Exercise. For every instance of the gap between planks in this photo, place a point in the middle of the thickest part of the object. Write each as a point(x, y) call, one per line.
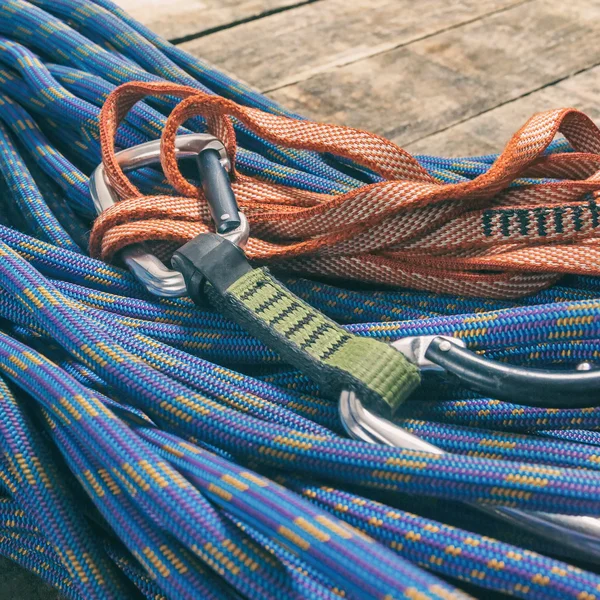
point(183, 20)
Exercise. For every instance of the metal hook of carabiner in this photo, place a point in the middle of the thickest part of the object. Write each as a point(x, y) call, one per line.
point(213, 166)
point(580, 535)
point(526, 386)
point(520, 385)
point(530, 387)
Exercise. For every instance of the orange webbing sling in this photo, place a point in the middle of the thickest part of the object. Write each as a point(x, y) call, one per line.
point(482, 237)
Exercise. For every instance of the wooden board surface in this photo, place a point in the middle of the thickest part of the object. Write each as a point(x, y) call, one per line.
point(489, 132)
point(432, 84)
point(177, 19)
point(408, 70)
point(313, 39)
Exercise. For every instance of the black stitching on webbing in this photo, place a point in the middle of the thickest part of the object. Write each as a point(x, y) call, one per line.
point(299, 325)
point(505, 218)
point(283, 314)
point(334, 349)
point(594, 211)
point(250, 291)
point(541, 214)
point(558, 219)
point(577, 213)
point(523, 217)
point(315, 335)
point(487, 223)
point(278, 295)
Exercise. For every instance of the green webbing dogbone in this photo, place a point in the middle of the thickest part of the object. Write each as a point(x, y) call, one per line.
point(316, 345)
point(337, 360)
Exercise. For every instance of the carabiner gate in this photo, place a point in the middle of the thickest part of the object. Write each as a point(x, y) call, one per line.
point(502, 381)
point(213, 165)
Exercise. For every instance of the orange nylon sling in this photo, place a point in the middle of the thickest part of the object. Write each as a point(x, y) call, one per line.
point(409, 230)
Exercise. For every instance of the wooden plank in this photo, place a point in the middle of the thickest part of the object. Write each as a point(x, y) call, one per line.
point(316, 38)
point(447, 78)
point(489, 132)
point(175, 19)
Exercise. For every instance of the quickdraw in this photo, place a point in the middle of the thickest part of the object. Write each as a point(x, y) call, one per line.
point(137, 463)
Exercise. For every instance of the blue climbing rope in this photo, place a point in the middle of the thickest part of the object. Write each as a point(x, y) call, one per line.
point(151, 448)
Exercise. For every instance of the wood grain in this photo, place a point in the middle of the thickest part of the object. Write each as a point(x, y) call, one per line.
point(489, 132)
point(317, 38)
point(181, 18)
point(432, 84)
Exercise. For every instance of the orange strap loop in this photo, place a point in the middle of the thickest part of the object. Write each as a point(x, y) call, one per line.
point(480, 237)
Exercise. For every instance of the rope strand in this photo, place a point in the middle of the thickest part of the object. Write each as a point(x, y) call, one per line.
point(142, 439)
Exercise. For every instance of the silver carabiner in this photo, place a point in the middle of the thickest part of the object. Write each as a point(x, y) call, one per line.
point(502, 381)
point(213, 164)
point(580, 534)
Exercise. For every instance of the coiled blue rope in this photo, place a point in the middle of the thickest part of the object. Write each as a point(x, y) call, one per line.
point(142, 438)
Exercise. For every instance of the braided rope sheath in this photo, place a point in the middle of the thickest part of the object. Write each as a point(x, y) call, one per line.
point(132, 466)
